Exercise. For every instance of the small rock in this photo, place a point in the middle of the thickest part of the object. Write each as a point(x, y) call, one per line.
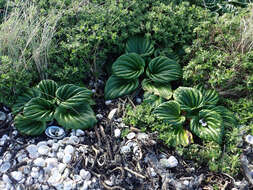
point(125, 149)
point(29, 181)
point(39, 162)
point(93, 91)
point(99, 116)
point(117, 133)
point(51, 163)
point(43, 149)
point(5, 167)
point(18, 176)
point(69, 149)
point(55, 178)
point(50, 142)
point(108, 102)
point(61, 167)
point(79, 132)
point(130, 135)
point(74, 140)
point(2, 116)
point(85, 174)
point(77, 178)
point(138, 100)
point(249, 139)
point(6, 179)
point(32, 149)
point(67, 158)
point(55, 146)
point(60, 155)
point(35, 175)
point(112, 113)
point(152, 172)
point(41, 143)
point(169, 163)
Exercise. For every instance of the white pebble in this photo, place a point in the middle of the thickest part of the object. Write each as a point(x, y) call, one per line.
point(6, 179)
point(85, 174)
point(5, 166)
point(169, 163)
point(117, 133)
point(41, 143)
point(112, 113)
point(67, 159)
point(35, 175)
point(32, 149)
point(17, 175)
point(130, 135)
point(249, 139)
point(43, 149)
point(29, 181)
point(108, 102)
point(125, 149)
point(73, 140)
point(99, 116)
point(60, 155)
point(39, 162)
point(50, 142)
point(138, 100)
point(79, 132)
point(61, 167)
point(55, 146)
point(51, 163)
point(69, 149)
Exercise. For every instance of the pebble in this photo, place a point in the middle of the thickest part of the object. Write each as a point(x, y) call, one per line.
point(108, 102)
point(99, 116)
point(43, 149)
point(6, 179)
point(69, 149)
point(85, 174)
point(41, 143)
point(169, 163)
point(2, 116)
point(39, 162)
point(32, 149)
point(138, 100)
point(125, 149)
point(73, 140)
point(79, 132)
point(66, 159)
point(112, 113)
point(50, 142)
point(117, 133)
point(17, 175)
point(60, 155)
point(51, 163)
point(5, 167)
point(249, 139)
point(55, 146)
point(61, 167)
point(130, 135)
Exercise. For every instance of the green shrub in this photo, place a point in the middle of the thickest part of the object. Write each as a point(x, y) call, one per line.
point(221, 57)
point(93, 34)
point(69, 105)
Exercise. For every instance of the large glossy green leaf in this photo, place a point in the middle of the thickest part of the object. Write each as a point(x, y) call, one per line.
point(163, 70)
point(175, 136)
point(189, 99)
point(28, 126)
point(170, 112)
point(208, 125)
point(128, 66)
point(160, 89)
point(22, 100)
point(116, 87)
point(139, 45)
point(211, 97)
point(152, 99)
point(79, 117)
point(228, 117)
point(39, 109)
point(47, 89)
point(70, 95)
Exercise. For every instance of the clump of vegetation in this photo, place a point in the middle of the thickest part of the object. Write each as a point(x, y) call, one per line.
point(69, 105)
point(130, 69)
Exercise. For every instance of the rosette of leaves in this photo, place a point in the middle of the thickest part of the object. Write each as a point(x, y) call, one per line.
point(194, 112)
point(69, 105)
point(131, 71)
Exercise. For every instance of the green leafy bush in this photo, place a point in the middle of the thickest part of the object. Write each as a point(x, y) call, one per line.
point(69, 105)
point(221, 57)
point(129, 69)
point(194, 111)
point(93, 34)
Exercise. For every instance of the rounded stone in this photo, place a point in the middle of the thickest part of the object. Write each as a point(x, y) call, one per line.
point(2, 116)
point(249, 139)
point(32, 149)
point(117, 133)
point(43, 149)
point(55, 146)
point(6, 179)
point(125, 149)
point(138, 100)
point(39, 162)
point(171, 162)
point(130, 135)
point(17, 175)
point(85, 174)
point(74, 140)
point(108, 102)
point(5, 167)
point(67, 158)
point(60, 155)
point(69, 149)
point(79, 132)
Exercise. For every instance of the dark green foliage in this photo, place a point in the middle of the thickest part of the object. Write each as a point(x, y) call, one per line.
point(69, 105)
